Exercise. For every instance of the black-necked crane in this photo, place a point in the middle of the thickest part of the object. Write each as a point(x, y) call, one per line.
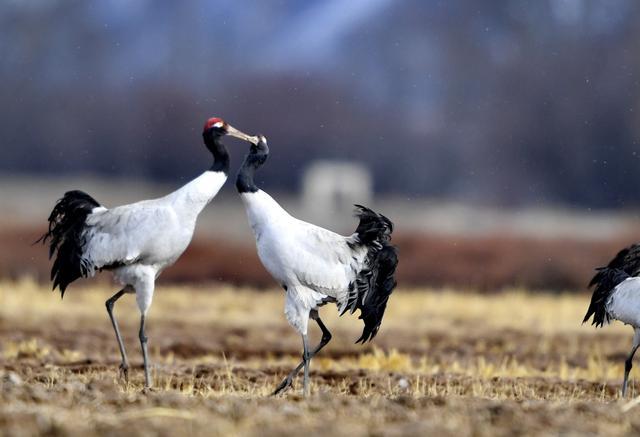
point(136, 242)
point(617, 297)
point(316, 266)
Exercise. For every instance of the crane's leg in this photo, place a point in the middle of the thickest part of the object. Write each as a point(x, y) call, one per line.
point(628, 364)
point(145, 357)
point(326, 338)
point(306, 359)
point(124, 365)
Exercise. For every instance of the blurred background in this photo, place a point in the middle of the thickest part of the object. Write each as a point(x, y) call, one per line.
point(501, 137)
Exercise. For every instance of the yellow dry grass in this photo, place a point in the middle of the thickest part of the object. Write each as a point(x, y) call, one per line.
point(218, 351)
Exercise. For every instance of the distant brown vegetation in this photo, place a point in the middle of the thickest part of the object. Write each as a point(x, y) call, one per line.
point(494, 262)
point(485, 263)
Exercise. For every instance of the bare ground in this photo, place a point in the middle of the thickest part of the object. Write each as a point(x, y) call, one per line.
point(445, 363)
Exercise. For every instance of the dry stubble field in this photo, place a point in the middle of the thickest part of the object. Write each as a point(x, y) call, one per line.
point(444, 362)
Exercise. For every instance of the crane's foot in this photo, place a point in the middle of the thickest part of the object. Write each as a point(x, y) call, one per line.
point(124, 371)
point(284, 385)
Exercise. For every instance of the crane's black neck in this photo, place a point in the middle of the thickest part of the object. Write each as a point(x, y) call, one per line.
point(219, 152)
point(257, 156)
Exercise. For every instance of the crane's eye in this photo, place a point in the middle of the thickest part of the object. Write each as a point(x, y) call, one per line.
point(218, 125)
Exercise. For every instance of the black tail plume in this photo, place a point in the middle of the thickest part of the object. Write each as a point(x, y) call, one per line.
point(607, 280)
point(628, 260)
point(373, 227)
point(66, 223)
point(376, 282)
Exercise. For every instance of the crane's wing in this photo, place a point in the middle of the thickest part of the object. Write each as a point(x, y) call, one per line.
point(325, 261)
point(627, 260)
point(357, 271)
point(126, 234)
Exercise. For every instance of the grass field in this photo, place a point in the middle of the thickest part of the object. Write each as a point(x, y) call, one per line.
point(444, 362)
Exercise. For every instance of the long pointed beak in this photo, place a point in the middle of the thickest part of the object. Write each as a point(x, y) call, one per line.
point(236, 133)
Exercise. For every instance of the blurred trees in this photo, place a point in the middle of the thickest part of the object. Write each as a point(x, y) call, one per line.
point(504, 102)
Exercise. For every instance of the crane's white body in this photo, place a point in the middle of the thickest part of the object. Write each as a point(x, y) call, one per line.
point(143, 238)
point(314, 265)
point(624, 302)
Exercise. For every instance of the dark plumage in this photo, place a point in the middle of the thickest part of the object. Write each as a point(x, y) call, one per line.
point(607, 280)
point(627, 260)
point(65, 236)
point(376, 282)
point(616, 297)
point(258, 154)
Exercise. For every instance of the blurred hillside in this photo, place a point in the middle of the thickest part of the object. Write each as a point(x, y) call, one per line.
point(506, 102)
